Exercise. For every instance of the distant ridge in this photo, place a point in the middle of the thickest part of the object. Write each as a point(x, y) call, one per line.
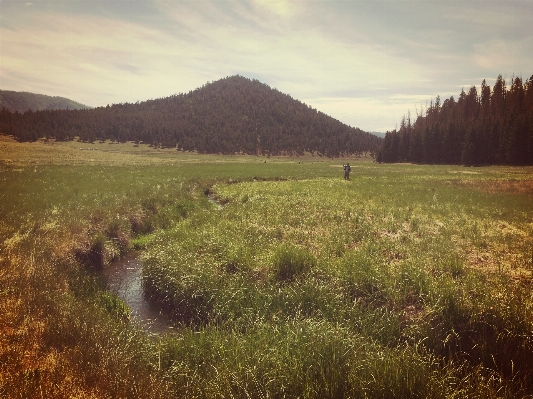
point(229, 116)
point(21, 101)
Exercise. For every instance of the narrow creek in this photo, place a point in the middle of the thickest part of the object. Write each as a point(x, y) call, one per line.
point(213, 199)
point(123, 278)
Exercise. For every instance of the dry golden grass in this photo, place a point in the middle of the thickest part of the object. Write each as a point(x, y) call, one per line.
point(45, 349)
point(523, 186)
point(15, 154)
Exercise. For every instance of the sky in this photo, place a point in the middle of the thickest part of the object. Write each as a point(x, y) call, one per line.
point(367, 63)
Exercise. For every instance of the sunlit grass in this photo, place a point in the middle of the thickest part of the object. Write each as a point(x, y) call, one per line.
point(407, 281)
point(393, 261)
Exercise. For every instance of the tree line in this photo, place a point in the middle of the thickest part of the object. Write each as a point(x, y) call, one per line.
point(492, 126)
point(23, 101)
point(231, 115)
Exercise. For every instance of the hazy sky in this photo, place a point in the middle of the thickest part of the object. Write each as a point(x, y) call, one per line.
point(366, 63)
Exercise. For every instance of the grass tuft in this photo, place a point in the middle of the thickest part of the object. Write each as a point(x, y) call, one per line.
point(290, 262)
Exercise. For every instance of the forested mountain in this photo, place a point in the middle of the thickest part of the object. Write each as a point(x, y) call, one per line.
point(19, 101)
point(490, 127)
point(231, 115)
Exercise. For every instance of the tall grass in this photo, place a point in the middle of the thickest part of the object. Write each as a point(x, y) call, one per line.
point(392, 262)
point(408, 281)
point(61, 334)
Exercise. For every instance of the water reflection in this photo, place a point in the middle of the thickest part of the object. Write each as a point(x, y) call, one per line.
point(124, 279)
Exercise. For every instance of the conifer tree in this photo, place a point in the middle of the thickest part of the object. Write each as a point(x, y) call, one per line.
point(492, 127)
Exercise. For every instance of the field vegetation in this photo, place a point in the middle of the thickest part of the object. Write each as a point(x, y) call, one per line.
point(407, 281)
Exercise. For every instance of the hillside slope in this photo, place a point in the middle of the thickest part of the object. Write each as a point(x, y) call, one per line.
point(16, 101)
point(231, 115)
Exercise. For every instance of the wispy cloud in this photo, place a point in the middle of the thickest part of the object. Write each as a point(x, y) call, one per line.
point(364, 62)
point(283, 8)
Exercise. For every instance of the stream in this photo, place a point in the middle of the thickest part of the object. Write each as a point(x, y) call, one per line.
point(213, 199)
point(123, 278)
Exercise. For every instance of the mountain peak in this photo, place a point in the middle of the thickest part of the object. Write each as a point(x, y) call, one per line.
point(231, 115)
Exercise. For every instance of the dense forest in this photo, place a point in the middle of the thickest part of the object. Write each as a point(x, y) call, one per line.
point(20, 101)
point(231, 115)
point(480, 128)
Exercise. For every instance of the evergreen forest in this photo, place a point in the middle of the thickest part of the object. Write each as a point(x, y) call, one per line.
point(21, 101)
point(231, 115)
point(492, 126)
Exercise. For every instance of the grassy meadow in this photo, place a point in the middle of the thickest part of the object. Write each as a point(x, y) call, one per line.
point(407, 281)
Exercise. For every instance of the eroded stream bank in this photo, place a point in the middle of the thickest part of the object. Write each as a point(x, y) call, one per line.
point(123, 277)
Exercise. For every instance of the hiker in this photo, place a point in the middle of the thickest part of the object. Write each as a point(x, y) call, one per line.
point(347, 170)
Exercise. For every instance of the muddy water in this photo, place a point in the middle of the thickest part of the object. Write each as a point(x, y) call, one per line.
point(124, 279)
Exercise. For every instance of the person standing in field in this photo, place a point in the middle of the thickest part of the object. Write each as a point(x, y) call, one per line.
point(347, 170)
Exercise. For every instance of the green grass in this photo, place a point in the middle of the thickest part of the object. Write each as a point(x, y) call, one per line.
point(407, 281)
point(391, 259)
